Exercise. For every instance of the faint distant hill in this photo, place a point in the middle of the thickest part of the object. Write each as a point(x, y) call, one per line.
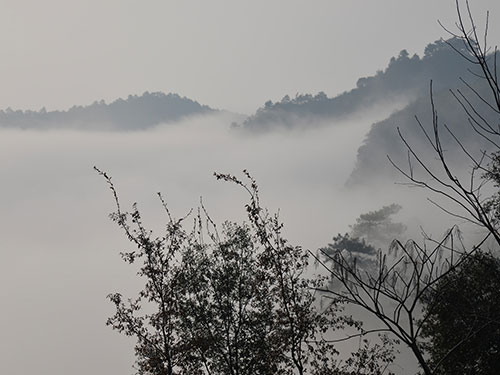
point(133, 113)
point(405, 77)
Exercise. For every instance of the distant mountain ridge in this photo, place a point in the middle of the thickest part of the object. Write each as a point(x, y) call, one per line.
point(133, 113)
point(404, 76)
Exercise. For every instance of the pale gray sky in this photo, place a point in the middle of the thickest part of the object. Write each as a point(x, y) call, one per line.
point(224, 53)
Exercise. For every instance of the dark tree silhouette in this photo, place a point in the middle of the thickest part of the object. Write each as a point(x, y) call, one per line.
point(302, 329)
point(231, 301)
point(463, 325)
point(397, 293)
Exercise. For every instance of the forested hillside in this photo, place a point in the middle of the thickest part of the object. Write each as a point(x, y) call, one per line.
point(405, 78)
point(133, 113)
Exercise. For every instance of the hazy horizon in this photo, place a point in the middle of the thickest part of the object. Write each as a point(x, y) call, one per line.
point(223, 54)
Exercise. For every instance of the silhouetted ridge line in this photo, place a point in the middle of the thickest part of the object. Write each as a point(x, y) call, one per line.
point(405, 77)
point(134, 113)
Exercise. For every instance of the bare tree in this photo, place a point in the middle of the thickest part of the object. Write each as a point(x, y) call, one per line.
point(394, 293)
point(472, 198)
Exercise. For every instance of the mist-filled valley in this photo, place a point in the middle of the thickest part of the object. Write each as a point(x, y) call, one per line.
point(55, 213)
point(327, 163)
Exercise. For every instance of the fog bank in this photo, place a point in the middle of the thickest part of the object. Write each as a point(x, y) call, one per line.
point(60, 252)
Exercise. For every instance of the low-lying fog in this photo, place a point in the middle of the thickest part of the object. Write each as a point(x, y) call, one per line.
point(59, 251)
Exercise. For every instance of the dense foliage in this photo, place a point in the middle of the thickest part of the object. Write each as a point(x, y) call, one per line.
point(463, 326)
point(234, 300)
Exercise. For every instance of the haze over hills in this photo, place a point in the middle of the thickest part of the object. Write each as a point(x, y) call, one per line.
point(404, 81)
point(383, 141)
point(405, 78)
point(133, 113)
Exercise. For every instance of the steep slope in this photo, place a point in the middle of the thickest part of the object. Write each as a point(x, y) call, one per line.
point(383, 141)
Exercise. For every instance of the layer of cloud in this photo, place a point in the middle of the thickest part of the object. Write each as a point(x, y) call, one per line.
point(60, 252)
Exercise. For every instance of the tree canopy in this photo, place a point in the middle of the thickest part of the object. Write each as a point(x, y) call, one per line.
point(463, 325)
point(233, 299)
